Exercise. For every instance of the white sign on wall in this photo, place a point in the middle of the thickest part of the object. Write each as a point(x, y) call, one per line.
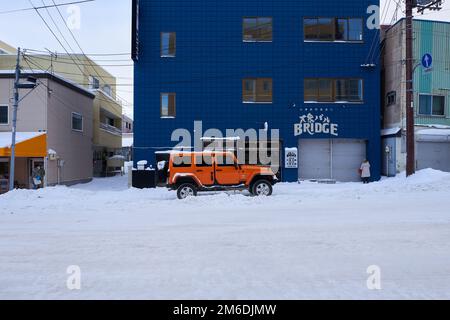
point(311, 125)
point(291, 158)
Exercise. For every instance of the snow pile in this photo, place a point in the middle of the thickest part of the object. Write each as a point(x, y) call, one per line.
point(307, 241)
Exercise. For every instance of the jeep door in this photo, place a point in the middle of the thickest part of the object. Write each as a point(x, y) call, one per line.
point(204, 168)
point(227, 170)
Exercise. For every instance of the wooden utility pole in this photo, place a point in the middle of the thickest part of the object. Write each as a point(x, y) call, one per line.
point(410, 136)
point(14, 123)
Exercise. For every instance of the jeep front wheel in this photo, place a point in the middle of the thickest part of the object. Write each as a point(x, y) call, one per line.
point(186, 190)
point(262, 188)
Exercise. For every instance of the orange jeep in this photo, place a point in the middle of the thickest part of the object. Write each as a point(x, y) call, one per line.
point(190, 172)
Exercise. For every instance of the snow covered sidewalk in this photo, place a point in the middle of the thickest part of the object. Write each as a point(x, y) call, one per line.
point(307, 241)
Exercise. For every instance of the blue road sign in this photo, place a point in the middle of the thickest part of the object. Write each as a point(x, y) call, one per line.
point(427, 61)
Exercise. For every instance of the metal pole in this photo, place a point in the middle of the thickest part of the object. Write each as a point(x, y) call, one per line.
point(14, 123)
point(410, 137)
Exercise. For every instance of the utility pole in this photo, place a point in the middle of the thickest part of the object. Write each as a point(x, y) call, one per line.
point(14, 123)
point(31, 84)
point(421, 6)
point(410, 136)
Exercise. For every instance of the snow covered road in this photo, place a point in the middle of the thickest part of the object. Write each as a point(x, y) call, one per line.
point(307, 241)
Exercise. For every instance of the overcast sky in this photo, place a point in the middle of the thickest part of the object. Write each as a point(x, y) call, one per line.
point(106, 28)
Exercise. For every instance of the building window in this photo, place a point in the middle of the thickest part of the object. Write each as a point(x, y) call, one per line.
point(391, 98)
point(257, 90)
point(257, 29)
point(77, 122)
point(168, 105)
point(94, 83)
point(333, 29)
point(355, 29)
point(430, 105)
point(4, 115)
point(107, 89)
point(333, 90)
point(109, 121)
point(168, 44)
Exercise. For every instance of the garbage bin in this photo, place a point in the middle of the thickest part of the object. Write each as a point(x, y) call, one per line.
point(144, 179)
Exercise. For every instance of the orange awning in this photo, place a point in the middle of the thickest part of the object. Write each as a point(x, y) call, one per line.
point(28, 144)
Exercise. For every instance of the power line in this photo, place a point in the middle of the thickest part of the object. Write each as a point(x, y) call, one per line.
point(89, 54)
point(59, 41)
point(85, 64)
point(53, 33)
point(45, 6)
point(41, 68)
point(82, 51)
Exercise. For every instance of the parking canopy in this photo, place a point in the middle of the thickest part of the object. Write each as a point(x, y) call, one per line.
point(28, 144)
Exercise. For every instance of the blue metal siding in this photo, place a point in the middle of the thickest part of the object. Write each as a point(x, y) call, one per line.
point(211, 61)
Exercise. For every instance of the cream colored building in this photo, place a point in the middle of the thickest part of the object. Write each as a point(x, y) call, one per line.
point(107, 109)
point(6, 48)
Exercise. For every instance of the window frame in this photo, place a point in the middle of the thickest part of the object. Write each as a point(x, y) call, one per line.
point(168, 56)
point(257, 40)
point(107, 88)
point(82, 122)
point(168, 106)
point(333, 91)
point(7, 115)
point(255, 95)
point(94, 83)
point(335, 21)
point(432, 100)
point(390, 94)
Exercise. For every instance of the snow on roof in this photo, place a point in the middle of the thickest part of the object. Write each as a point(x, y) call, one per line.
point(6, 137)
point(434, 132)
point(220, 139)
point(117, 157)
point(37, 72)
point(390, 131)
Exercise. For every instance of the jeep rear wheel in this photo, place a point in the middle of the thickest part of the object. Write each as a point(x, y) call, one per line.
point(186, 190)
point(262, 188)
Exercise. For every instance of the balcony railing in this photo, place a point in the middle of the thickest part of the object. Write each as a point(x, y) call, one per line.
point(111, 129)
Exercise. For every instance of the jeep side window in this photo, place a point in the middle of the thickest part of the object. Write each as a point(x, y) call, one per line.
point(203, 160)
point(182, 161)
point(225, 161)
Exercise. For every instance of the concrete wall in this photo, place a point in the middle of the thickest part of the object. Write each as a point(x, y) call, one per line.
point(74, 147)
point(103, 138)
point(126, 120)
point(43, 110)
point(395, 75)
point(65, 67)
point(32, 113)
point(429, 37)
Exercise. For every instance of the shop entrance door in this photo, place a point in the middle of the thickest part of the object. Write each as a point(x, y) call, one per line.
point(34, 164)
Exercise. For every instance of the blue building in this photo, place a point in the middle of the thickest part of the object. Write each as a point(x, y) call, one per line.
point(309, 69)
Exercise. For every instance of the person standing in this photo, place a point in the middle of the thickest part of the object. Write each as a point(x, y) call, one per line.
point(38, 175)
point(365, 171)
